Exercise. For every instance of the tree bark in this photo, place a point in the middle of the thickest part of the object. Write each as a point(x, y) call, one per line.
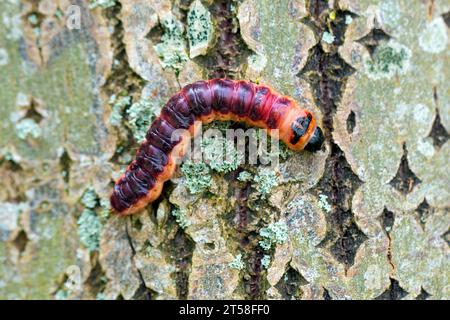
point(367, 217)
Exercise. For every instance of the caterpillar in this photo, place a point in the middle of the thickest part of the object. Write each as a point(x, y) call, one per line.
point(206, 101)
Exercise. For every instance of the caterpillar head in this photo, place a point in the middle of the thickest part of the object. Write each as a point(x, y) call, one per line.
point(316, 141)
point(306, 133)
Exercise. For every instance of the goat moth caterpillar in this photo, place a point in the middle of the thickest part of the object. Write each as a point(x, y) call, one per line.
point(206, 101)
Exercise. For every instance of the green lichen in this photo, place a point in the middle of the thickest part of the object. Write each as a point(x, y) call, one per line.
point(328, 37)
point(105, 205)
point(33, 19)
point(100, 296)
point(348, 19)
point(245, 176)
point(265, 261)
point(200, 29)
point(220, 154)
point(265, 180)
point(62, 294)
point(89, 198)
point(323, 203)
point(140, 115)
point(172, 50)
point(104, 4)
point(59, 14)
point(237, 263)
point(296, 204)
point(119, 104)
point(89, 227)
point(198, 176)
point(28, 128)
point(181, 218)
point(274, 233)
point(389, 59)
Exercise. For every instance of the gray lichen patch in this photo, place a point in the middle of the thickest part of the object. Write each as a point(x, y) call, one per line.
point(12, 21)
point(220, 154)
point(9, 218)
point(274, 233)
point(172, 48)
point(141, 114)
point(324, 204)
point(434, 37)
point(348, 19)
point(200, 30)
point(245, 176)
point(90, 198)
point(181, 218)
point(89, 227)
point(265, 180)
point(89, 224)
point(265, 261)
point(237, 263)
point(388, 60)
point(328, 37)
point(118, 106)
point(197, 176)
point(28, 128)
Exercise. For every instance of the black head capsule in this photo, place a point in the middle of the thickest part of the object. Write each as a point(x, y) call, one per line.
point(316, 141)
point(299, 128)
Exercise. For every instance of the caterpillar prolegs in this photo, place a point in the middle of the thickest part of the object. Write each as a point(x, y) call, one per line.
point(206, 101)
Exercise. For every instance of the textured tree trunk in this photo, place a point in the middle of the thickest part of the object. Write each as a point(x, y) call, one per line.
point(367, 217)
